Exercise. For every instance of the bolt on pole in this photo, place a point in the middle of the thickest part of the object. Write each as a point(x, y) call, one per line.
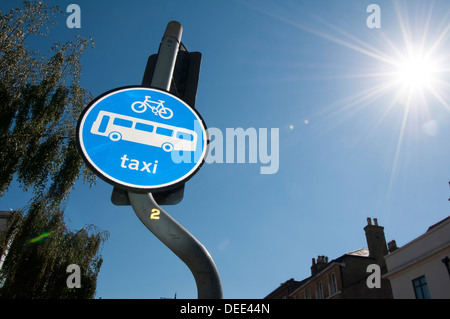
point(159, 222)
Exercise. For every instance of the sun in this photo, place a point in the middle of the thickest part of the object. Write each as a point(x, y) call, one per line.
point(406, 70)
point(416, 72)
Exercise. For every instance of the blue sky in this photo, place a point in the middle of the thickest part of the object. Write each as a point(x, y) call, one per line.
point(352, 145)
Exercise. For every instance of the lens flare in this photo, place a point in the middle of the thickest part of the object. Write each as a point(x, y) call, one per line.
point(406, 66)
point(415, 72)
point(40, 237)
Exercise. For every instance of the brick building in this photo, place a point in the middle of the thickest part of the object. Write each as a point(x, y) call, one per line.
point(284, 290)
point(344, 277)
point(4, 215)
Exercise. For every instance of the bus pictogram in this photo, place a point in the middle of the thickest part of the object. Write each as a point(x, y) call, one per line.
point(121, 127)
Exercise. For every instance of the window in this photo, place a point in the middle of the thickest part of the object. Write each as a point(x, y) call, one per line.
point(104, 124)
point(164, 131)
point(185, 136)
point(319, 290)
point(308, 294)
point(144, 127)
point(122, 122)
point(421, 288)
point(332, 284)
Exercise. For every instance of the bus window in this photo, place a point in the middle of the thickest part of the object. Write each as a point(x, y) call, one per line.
point(185, 136)
point(104, 124)
point(144, 127)
point(121, 122)
point(164, 131)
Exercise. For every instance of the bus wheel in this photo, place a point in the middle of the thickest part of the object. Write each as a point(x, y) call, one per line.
point(115, 136)
point(168, 147)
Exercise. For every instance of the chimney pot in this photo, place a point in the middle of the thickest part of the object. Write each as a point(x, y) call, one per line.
point(392, 246)
point(375, 221)
point(314, 261)
point(376, 241)
point(369, 221)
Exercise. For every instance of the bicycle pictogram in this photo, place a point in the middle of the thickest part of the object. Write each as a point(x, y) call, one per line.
point(157, 108)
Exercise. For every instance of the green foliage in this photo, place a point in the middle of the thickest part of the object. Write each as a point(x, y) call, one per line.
point(40, 102)
point(37, 268)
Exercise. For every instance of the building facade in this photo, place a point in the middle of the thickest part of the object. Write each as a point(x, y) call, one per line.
point(420, 269)
point(4, 215)
point(284, 290)
point(346, 276)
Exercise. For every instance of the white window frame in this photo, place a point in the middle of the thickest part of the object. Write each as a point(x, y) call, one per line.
point(332, 284)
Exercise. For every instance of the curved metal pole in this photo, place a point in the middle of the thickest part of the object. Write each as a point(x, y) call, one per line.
point(181, 242)
point(161, 224)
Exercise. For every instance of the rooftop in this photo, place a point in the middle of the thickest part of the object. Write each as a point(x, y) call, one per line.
point(438, 223)
point(4, 214)
point(363, 252)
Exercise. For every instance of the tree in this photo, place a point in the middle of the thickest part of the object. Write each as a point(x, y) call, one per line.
point(40, 102)
point(40, 248)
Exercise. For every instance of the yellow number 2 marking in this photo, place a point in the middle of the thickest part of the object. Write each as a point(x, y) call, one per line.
point(155, 213)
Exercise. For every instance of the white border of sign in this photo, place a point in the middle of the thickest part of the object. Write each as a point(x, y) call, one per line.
point(116, 182)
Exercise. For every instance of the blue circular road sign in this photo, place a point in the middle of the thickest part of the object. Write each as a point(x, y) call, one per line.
point(142, 139)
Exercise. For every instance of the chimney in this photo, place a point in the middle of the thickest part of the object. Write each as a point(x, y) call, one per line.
point(376, 241)
point(392, 246)
point(322, 262)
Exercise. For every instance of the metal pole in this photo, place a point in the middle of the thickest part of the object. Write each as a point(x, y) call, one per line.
point(167, 56)
point(161, 224)
point(181, 242)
